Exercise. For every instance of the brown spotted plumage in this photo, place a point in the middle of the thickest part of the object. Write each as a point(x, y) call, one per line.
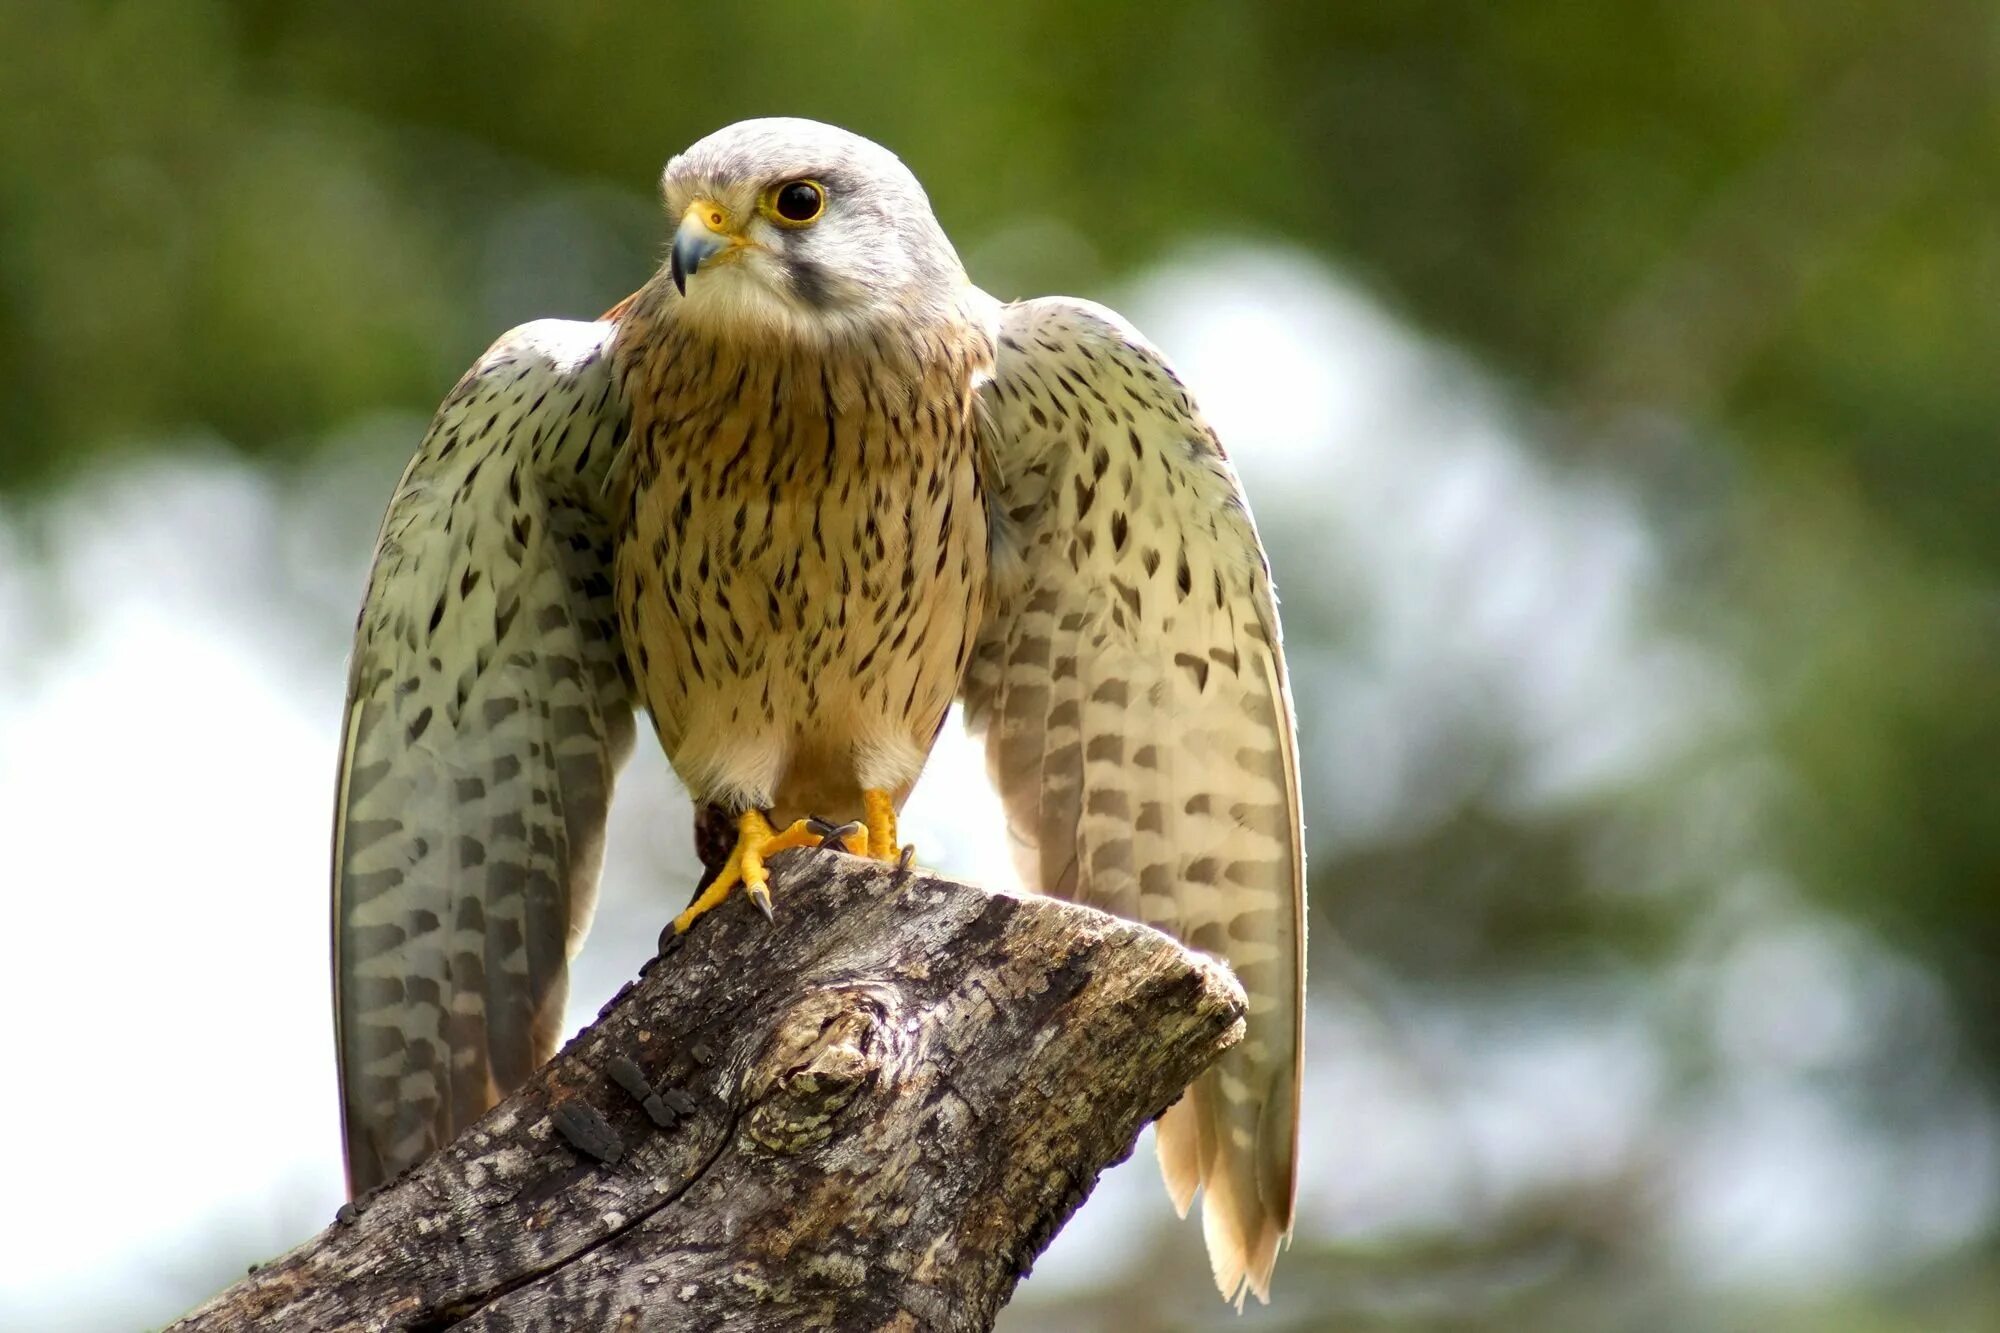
point(793, 496)
point(804, 562)
point(1130, 687)
point(487, 709)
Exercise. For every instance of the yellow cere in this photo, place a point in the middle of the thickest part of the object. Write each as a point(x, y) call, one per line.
point(711, 214)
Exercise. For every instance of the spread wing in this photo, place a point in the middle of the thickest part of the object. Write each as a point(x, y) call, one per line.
point(487, 711)
point(1130, 687)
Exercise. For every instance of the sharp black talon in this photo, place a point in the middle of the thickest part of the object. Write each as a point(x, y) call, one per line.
point(701, 1054)
point(346, 1213)
point(760, 897)
point(833, 837)
point(907, 857)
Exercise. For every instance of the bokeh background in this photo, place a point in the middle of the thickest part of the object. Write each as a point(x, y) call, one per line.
point(1616, 385)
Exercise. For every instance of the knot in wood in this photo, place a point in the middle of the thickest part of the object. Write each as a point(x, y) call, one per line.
point(827, 1049)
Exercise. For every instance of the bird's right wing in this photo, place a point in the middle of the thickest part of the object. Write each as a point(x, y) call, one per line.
point(1130, 685)
point(487, 711)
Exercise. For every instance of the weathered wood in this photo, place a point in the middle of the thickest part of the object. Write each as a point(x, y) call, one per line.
point(877, 1112)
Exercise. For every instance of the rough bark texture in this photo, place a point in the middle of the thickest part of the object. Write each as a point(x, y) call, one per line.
point(877, 1112)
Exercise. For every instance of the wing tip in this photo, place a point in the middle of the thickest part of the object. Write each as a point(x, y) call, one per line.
point(1176, 1137)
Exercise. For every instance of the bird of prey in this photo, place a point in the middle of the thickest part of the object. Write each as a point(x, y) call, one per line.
point(795, 495)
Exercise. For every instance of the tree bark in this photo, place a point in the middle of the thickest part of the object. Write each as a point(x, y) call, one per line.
point(873, 1114)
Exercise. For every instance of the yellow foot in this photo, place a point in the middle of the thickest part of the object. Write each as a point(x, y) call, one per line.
point(880, 810)
point(755, 840)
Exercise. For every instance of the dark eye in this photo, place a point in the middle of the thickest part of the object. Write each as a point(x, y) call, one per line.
point(799, 201)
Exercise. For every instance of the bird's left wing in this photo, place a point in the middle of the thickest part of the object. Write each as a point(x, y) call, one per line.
point(487, 710)
point(1130, 687)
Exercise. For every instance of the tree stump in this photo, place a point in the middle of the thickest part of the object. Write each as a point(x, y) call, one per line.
point(873, 1114)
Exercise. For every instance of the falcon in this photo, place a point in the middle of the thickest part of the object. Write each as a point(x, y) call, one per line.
point(795, 495)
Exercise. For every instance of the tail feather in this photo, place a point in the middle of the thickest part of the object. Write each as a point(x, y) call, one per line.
point(1240, 1157)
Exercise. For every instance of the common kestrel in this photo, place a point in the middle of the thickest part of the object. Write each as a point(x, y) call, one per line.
point(793, 496)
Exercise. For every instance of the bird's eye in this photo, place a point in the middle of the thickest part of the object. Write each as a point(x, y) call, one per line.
point(798, 202)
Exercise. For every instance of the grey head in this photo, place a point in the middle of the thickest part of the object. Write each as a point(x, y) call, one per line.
point(796, 227)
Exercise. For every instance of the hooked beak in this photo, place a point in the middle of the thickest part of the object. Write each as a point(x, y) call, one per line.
point(701, 236)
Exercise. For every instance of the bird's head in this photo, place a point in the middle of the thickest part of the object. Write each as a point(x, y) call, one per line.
point(795, 226)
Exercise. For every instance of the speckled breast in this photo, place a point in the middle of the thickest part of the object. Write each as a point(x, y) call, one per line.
point(804, 567)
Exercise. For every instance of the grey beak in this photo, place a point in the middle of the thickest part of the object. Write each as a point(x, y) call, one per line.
point(693, 243)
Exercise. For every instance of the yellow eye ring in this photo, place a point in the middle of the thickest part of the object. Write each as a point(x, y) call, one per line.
point(796, 203)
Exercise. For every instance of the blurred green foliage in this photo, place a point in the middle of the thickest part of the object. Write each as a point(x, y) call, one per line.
point(1773, 227)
